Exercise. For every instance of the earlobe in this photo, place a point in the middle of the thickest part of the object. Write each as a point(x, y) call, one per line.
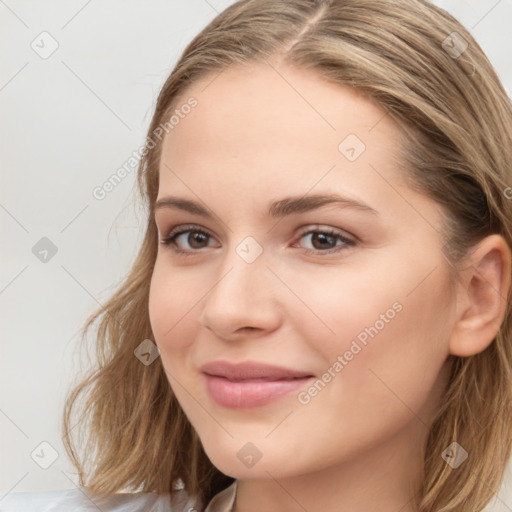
point(483, 296)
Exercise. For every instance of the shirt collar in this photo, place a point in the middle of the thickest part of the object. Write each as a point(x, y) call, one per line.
point(224, 500)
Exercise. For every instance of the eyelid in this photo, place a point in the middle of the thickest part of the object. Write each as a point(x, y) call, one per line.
point(337, 233)
point(187, 227)
point(323, 227)
point(311, 228)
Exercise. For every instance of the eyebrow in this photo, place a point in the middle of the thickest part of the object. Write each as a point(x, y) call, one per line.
point(277, 209)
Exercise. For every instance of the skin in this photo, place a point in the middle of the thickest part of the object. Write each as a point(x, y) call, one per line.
point(252, 139)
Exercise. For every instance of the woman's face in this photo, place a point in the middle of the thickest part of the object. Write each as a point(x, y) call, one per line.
point(349, 298)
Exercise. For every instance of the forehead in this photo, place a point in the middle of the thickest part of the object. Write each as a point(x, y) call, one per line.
point(262, 128)
point(267, 103)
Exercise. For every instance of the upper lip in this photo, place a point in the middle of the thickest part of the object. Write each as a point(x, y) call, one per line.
point(251, 370)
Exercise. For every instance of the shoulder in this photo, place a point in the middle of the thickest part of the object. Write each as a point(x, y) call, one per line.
point(81, 500)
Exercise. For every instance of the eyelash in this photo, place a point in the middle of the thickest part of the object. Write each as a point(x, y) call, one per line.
point(169, 241)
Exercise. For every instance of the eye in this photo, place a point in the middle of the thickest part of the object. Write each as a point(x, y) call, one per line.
point(326, 241)
point(196, 238)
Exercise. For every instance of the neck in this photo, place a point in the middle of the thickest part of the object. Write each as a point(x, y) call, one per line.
point(386, 478)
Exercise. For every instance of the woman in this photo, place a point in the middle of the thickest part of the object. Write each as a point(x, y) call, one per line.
point(319, 317)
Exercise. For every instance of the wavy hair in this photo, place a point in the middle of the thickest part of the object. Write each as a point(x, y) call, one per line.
point(456, 120)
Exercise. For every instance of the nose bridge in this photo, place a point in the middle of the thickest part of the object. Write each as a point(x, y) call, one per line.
point(242, 295)
point(242, 275)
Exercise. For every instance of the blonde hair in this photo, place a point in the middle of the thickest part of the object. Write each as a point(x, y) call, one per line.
point(456, 120)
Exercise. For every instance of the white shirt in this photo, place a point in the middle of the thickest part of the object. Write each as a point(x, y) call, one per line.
point(77, 500)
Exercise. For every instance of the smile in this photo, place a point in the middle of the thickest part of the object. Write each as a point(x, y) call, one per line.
point(248, 384)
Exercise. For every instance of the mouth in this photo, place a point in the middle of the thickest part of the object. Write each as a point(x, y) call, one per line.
point(250, 384)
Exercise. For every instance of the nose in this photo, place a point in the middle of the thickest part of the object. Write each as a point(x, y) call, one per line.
point(242, 301)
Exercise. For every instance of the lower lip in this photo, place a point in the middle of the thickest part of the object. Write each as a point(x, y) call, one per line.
point(246, 394)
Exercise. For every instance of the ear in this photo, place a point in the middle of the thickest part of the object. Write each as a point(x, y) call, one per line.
point(482, 297)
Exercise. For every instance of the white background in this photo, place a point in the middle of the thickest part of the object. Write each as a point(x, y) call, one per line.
point(68, 123)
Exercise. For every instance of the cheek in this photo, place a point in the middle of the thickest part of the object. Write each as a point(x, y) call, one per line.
point(392, 348)
point(340, 305)
point(381, 327)
point(172, 298)
point(385, 382)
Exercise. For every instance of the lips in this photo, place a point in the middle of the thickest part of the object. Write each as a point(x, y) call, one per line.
point(250, 384)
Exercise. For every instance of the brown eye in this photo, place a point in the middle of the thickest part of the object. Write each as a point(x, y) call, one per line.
point(326, 241)
point(196, 239)
point(187, 240)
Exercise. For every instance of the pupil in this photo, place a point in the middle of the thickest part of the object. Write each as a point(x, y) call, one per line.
point(192, 238)
point(323, 237)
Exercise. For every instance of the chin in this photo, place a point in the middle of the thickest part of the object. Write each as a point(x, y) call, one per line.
point(244, 460)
